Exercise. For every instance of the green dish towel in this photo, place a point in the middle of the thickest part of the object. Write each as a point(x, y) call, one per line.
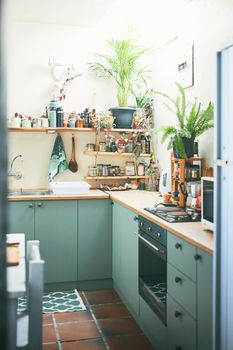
point(58, 162)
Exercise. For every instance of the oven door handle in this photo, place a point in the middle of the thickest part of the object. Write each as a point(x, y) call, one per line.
point(147, 242)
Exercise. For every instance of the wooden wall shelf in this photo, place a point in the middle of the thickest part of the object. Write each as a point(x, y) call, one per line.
point(54, 130)
point(97, 153)
point(114, 177)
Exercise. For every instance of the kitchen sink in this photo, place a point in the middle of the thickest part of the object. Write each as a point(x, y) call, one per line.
point(30, 193)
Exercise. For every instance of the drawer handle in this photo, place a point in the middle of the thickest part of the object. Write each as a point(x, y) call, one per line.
point(149, 229)
point(177, 314)
point(178, 279)
point(197, 257)
point(40, 205)
point(178, 246)
point(135, 218)
point(158, 234)
point(30, 205)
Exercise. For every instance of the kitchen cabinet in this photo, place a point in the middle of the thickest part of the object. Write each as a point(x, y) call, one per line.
point(21, 218)
point(189, 309)
point(204, 299)
point(94, 239)
point(125, 255)
point(54, 224)
point(56, 229)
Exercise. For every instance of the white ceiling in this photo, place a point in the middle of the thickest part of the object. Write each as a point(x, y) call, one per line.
point(69, 12)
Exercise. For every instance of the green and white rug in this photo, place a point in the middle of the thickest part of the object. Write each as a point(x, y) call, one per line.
point(66, 301)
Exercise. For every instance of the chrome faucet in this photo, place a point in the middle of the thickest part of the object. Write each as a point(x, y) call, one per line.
point(16, 174)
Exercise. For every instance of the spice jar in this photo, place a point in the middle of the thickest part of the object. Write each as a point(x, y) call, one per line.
point(141, 169)
point(129, 169)
point(195, 172)
point(102, 146)
point(105, 170)
point(90, 147)
point(92, 171)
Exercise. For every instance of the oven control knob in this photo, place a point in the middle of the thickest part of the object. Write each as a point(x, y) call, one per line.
point(158, 234)
point(177, 314)
point(141, 223)
point(135, 218)
point(149, 229)
point(178, 246)
point(178, 279)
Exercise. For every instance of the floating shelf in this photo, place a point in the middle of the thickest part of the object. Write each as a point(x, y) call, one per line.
point(97, 153)
point(53, 130)
point(114, 177)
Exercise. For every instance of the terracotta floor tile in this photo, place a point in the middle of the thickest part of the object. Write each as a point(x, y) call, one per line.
point(49, 334)
point(110, 311)
point(78, 331)
point(62, 317)
point(47, 319)
point(129, 342)
point(102, 296)
point(52, 346)
point(119, 326)
point(92, 344)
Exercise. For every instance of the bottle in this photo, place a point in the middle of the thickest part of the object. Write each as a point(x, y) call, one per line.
point(86, 118)
point(60, 117)
point(52, 113)
point(147, 146)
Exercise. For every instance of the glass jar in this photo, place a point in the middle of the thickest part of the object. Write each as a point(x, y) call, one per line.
point(195, 172)
point(141, 169)
point(102, 146)
point(92, 171)
point(99, 169)
point(105, 170)
point(129, 169)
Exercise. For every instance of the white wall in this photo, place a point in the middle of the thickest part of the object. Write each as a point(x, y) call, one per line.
point(206, 23)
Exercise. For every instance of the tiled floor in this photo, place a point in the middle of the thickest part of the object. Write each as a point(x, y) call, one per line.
point(105, 325)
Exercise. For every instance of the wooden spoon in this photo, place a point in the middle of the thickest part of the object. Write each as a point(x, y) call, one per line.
point(73, 165)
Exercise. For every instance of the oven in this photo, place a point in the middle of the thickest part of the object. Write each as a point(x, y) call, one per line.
point(153, 266)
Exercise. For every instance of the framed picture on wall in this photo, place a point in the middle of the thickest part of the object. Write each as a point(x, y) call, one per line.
point(185, 66)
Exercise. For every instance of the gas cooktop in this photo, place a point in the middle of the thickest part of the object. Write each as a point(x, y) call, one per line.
point(172, 213)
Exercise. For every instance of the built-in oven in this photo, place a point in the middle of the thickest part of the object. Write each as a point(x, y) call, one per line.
point(153, 266)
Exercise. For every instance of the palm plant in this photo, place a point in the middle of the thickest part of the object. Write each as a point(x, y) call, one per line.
point(191, 122)
point(123, 66)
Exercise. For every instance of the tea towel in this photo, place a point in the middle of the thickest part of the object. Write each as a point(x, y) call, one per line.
point(57, 163)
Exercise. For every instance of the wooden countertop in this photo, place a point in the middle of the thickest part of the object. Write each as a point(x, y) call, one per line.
point(191, 232)
point(93, 194)
point(136, 201)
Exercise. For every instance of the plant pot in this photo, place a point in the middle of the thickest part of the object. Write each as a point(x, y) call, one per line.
point(188, 146)
point(123, 117)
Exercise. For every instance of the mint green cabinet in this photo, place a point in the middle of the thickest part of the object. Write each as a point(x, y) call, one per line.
point(204, 300)
point(21, 218)
point(94, 239)
point(56, 229)
point(125, 255)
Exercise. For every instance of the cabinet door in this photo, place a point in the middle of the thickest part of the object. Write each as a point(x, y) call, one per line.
point(117, 231)
point(125, 255)
point(94, 239)
point(21, 218)
point(181, 327)
point(56, 229)
point(204, 300)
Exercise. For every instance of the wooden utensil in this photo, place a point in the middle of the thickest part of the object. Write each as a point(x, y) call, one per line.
point(73, 165)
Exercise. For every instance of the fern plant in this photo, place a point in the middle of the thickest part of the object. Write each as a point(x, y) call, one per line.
point(123, 66)
point(192, 122)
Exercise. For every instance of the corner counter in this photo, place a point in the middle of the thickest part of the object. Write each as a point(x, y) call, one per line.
point(192, 232)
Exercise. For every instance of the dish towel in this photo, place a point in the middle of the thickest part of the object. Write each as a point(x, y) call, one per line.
point(57, 163)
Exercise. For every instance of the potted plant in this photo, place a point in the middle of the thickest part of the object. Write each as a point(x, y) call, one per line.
point(192, 122)
point(122, 65)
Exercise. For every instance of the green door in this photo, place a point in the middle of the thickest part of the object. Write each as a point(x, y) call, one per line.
point(204, 300)
point(56, 229)
point(21, 218)
point(94, 239)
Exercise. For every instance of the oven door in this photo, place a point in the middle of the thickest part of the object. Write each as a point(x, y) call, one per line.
point(153, 274)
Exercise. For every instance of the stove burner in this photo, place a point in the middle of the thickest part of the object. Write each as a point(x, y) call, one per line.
point(173, 214)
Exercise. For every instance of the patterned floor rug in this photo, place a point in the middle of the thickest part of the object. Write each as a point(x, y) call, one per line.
point(66, 301)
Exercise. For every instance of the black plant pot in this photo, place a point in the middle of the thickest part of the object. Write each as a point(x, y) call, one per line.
point(123, 117)
point(188, 146)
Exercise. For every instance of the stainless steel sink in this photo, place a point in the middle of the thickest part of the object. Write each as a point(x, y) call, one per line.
point(30, 193)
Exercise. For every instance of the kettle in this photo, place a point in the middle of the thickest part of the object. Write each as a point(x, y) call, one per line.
point(165, 181)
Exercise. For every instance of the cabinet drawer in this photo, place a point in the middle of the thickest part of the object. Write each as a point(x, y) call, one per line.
point(181, 255)
point(181, 328)
point(182, 289)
